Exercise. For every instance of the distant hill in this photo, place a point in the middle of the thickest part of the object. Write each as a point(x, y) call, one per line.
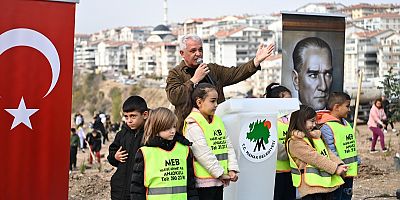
point(92, 94)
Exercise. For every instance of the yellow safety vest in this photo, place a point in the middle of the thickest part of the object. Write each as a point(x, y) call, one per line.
point(311, 175)
point(165, 172)
point(215, 135)
point(282, 165)
point(346, 145)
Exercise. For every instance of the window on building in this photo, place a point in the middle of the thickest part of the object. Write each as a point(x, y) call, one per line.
point(370, 55)
point(371, 63)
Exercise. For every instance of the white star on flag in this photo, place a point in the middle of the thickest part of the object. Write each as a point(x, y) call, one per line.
point(21, 114)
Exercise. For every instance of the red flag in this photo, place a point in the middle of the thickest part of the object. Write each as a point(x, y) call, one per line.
point(36, 59)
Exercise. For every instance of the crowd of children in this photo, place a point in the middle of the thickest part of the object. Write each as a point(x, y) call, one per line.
point(80, 140)
point(317, 157)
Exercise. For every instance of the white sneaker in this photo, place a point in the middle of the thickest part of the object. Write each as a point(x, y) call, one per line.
point(373, 151)
point(385, 131)
point(394, 130)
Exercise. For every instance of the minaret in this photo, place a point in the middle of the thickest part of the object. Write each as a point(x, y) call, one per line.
point(165, 13)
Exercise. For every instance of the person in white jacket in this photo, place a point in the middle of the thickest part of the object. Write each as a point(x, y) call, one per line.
point(215, 159)
point(81, 133)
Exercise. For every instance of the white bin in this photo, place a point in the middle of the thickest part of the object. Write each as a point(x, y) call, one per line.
point(254, 146)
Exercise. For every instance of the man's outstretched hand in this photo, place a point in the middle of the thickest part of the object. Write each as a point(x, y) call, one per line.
point(263, 52)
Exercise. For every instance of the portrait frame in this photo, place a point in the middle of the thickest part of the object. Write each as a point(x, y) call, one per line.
point(328, 27)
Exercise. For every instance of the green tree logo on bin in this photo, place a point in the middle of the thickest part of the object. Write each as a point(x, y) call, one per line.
point(258, 139)
point(259, 133)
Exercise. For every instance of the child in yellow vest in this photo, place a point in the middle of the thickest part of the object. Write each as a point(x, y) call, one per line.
point(315, 169)
point(215, 159)
point(163, 168)
point(339, 136)
point(284, 189)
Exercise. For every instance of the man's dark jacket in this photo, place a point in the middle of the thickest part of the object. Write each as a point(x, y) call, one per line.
point(179, 87)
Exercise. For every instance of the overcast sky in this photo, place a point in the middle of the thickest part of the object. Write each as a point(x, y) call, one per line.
point(96, 15)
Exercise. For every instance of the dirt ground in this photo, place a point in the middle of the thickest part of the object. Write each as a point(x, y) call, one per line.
point(377, 179)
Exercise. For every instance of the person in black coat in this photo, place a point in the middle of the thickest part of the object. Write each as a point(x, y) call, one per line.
point(154, 138)
point(98, 125)
point(388, 112)
point(94, 140)
point(125, 145)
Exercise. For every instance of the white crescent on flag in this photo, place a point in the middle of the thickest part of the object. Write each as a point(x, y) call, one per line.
point(31, 38)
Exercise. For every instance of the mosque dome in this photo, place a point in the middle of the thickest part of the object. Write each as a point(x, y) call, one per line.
point(161, 30)
point(161, 27)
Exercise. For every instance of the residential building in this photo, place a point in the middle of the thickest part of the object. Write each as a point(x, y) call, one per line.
point(389, 54)
point(123, 34)
point(84, 51)
point(206, 27)
point(379, 21)
point(112, 55)
point(155, 57)
point(321, 8)
point(361, 50)
point(365, 9)
point(234, 46)
point(271, 70)
point(132, 33)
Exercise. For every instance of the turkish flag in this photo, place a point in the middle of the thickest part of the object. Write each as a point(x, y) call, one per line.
point(36, 63)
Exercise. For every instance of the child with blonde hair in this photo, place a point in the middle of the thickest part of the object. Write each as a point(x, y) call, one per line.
point(163, 167)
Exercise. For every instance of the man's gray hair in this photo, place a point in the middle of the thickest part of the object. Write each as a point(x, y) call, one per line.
point(185, 38)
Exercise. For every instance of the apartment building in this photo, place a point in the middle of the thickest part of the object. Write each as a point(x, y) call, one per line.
point(361, 50)
point(321, 8)
point(112, 55)
point(206, 27)
point(364, 9)
point(134, 33)
point(379, 21)
point(234, 46)
point(123, 34)
point(156, 56)
point(389, 54)
point(84, 51)
point(270, 72)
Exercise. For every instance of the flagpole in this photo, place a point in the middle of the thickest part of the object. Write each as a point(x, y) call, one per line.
point(357, 101)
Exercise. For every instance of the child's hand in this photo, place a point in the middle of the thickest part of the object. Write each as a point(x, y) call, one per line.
point(224, 178)
point(298, 134)
point(121, 156)
point(233, 175)
point(315, 134)
point(341, 170)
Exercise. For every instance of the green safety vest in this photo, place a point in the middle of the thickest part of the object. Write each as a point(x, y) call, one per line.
point(282, 165)
point(346, 145)
point(313, 176)
point(215, 135)
point(165, 172)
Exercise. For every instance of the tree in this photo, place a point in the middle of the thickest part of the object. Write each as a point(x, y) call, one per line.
point(259, 132)
point(391, 89)
point(116, 97)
